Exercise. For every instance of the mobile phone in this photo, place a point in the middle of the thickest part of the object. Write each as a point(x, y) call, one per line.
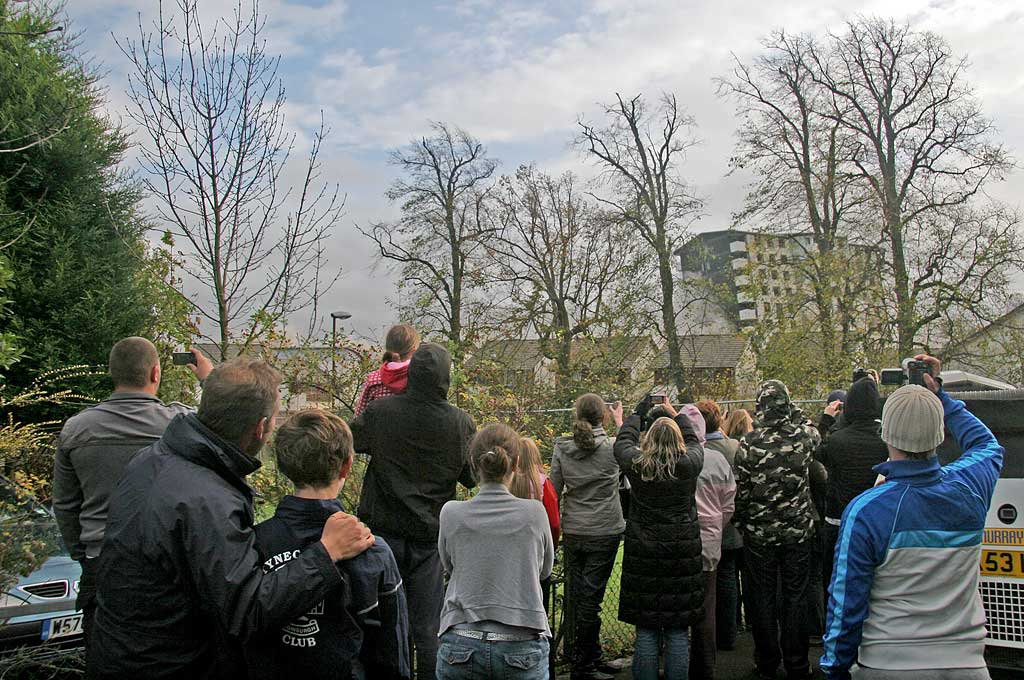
point(183, 358)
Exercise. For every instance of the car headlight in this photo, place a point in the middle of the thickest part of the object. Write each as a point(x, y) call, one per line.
point(76, 586)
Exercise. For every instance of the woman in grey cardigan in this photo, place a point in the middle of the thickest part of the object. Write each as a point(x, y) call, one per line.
point(495, 548)
point(586, 479)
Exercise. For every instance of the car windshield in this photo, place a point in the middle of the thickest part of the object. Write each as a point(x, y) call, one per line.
point(27, 522)
point(18, 504)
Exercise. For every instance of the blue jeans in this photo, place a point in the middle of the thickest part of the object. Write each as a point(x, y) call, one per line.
point(648, 646)
point(462, 658)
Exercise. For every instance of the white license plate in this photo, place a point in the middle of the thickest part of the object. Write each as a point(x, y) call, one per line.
point(64, 626)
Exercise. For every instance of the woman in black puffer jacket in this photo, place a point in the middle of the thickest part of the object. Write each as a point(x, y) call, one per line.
point(662, 583)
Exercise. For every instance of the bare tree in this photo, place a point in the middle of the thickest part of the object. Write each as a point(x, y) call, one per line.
point(924, 151)
point(209, 104)
point(443, 227)
point(805, 185)
point(639, 151)
point(561, 259)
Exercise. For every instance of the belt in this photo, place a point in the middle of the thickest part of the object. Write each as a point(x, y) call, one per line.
point(834, 522)
point(495, 637)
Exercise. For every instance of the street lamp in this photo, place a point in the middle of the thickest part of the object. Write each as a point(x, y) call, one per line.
point(335, 317)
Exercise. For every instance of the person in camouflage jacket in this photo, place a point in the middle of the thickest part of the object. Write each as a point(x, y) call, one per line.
point(775, 515)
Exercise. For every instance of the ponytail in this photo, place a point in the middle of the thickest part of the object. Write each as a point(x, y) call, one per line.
point(590, 412)
point(400, 343)
point(583, 435)
point(494, 452)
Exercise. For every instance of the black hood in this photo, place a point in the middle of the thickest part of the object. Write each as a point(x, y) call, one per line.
point(863, 402)
point(187, 437)
point(430, 372)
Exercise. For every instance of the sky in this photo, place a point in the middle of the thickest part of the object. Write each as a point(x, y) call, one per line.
point(518, 74)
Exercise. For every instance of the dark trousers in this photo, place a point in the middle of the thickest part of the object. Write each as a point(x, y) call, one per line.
point(816, 589)
point(703, 650)
point(545, 590)
point(588, 565)
point(778, 606)
point(727, 598)
point(420, 566)
point(86, 601)
point(828, 558)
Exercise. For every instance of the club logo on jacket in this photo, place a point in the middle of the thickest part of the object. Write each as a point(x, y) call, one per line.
point(302, 631)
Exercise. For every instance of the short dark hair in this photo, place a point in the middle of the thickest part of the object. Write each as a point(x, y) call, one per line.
point(312, 447)
point(237, 395)
point(712, 414)
point(131, 362)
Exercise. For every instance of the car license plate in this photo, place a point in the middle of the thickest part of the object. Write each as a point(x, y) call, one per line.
point(64, 626)
point(1007, 563)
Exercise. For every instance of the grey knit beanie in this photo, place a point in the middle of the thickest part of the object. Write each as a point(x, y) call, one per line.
point(912, 420)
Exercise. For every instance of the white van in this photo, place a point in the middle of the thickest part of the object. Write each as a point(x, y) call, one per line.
point(1002, 554)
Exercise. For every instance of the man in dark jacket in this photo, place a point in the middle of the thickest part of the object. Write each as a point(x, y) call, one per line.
point(775, 515)
point(418, 445)
point(360, 631)
point(180, 588)
point(95, 446)
point(852, 448)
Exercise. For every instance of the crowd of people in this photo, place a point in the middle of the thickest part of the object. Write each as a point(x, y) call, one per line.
point(802, 528)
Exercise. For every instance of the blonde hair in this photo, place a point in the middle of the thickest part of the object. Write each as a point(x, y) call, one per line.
point(660, 449)
point(526, 483)
point(738, 423)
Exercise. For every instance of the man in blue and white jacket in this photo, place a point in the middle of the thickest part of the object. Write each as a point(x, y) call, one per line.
point(904, 599)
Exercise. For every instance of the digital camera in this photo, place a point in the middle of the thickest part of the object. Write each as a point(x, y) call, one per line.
point(911, 373)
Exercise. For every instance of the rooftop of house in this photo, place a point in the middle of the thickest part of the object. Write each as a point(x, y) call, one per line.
point(526, 354)
point(707, 351)
point(211, 349)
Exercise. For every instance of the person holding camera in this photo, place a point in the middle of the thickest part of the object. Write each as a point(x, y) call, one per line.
point(849, 454)
point(727, 575)
point(586, 479)
point(909, 549)
point(94, 447)
point(662, 566)
point(775, 514)
point(180, 585)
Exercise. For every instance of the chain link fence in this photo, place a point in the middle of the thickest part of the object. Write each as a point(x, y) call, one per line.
point(617, 638)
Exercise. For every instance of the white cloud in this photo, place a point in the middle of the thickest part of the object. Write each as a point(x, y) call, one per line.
point(517, 75)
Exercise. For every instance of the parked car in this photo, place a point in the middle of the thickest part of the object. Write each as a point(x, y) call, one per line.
point(38, 609)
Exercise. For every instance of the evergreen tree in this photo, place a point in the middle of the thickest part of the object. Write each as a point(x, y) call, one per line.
point(82, 275)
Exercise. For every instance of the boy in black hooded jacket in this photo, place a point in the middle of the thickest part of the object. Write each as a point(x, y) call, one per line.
point(359, 631)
